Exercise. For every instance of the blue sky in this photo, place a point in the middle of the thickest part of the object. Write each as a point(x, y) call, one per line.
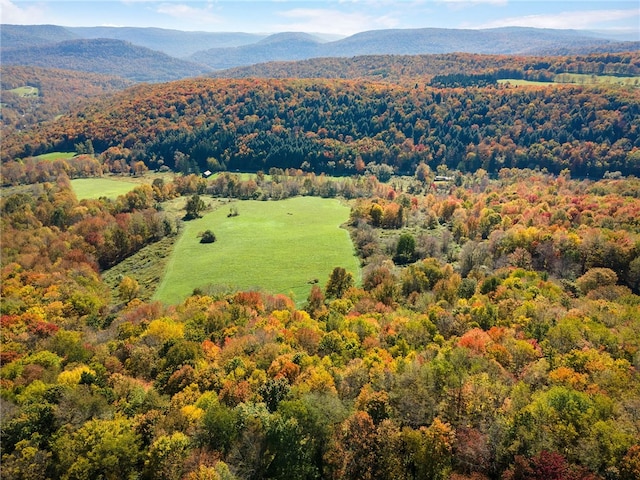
point(342, 17)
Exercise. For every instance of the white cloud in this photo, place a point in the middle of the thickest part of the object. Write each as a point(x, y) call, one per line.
point(332, 21)
point(579, 20)
point(10, 13)
point(475, 2)
point(181, 11)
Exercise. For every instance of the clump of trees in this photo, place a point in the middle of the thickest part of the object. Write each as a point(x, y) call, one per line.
point(207, 237)
point(194, 207)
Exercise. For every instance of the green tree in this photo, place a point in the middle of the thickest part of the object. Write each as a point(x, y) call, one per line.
point(195, 205)
point(339, 282)
point(27, 462)
point(430, 450)
point(406, 249)
point(376, 213)
point(219, 427)
point(128, 288)
point(166, 457)
point(108, 449)
point(596, 277)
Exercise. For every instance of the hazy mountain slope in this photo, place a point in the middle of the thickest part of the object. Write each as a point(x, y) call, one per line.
point(281, 46)
point(19, 36)
point(522, 41)
point(176, 43)
point(227, 50)
point(105, 56)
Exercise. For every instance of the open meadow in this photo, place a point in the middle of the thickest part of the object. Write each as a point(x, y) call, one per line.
point(576, 79)
point(56, 156)
point(101, 187)
point(112, 187)
point(279, 247)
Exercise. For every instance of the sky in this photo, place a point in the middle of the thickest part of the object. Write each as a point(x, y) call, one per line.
point(337, 17)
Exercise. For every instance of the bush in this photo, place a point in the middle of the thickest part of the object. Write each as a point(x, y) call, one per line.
point(208, 237)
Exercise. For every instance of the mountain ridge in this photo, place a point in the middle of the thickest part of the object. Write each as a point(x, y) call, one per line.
point(105, 56)
point(241, 49)
point(507, 40)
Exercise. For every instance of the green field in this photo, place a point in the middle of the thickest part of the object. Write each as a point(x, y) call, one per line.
point(26, 91)
point(517, 82)
point(56, 156)
point(578, 79)
point(101, 187)
point(278, 247)
point(586, 79)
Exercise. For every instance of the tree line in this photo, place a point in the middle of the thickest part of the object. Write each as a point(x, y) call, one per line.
point(331, 126)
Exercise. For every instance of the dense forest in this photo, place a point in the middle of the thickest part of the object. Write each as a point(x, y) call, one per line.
point(339, 126)
point(491, 332)
point(496, 334)
point(408, 68)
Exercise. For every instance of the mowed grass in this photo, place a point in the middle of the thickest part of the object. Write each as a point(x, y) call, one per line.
point(526, 83)
point(25, 91)
point(577, 79)
point(276, 247)
point(101, 187)
point(56, 156)
point(113, 187)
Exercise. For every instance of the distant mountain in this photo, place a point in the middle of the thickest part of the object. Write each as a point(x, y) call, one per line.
point(154, 54)
point(20, 36)
point(512, 41)
point(176, 43)
point(105, 56)
point(281, 46)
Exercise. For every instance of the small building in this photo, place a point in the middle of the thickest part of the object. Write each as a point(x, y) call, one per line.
point(442, 178)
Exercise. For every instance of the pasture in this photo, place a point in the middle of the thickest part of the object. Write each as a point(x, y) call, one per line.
point(113, 186)
point(526, 83)
point(26, 91)
point(277, 247)
point(101, 187)
point(577, 79)
point(56, 156)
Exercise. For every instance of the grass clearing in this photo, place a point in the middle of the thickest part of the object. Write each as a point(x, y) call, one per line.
point(524, 83)
point(56, 156)
point(113, 187)
point(577, 79)
point(25, 91)
point(274, 246)
point(587, 79)
point(101, 187)
point(145, 266)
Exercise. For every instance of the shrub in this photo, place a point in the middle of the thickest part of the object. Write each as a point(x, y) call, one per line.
point(208, 237)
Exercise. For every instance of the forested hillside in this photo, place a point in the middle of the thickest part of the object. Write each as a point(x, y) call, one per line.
point(339, 127)
point(496, 334)
point(412, 68)
point(106, 57)
point(56, 91)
